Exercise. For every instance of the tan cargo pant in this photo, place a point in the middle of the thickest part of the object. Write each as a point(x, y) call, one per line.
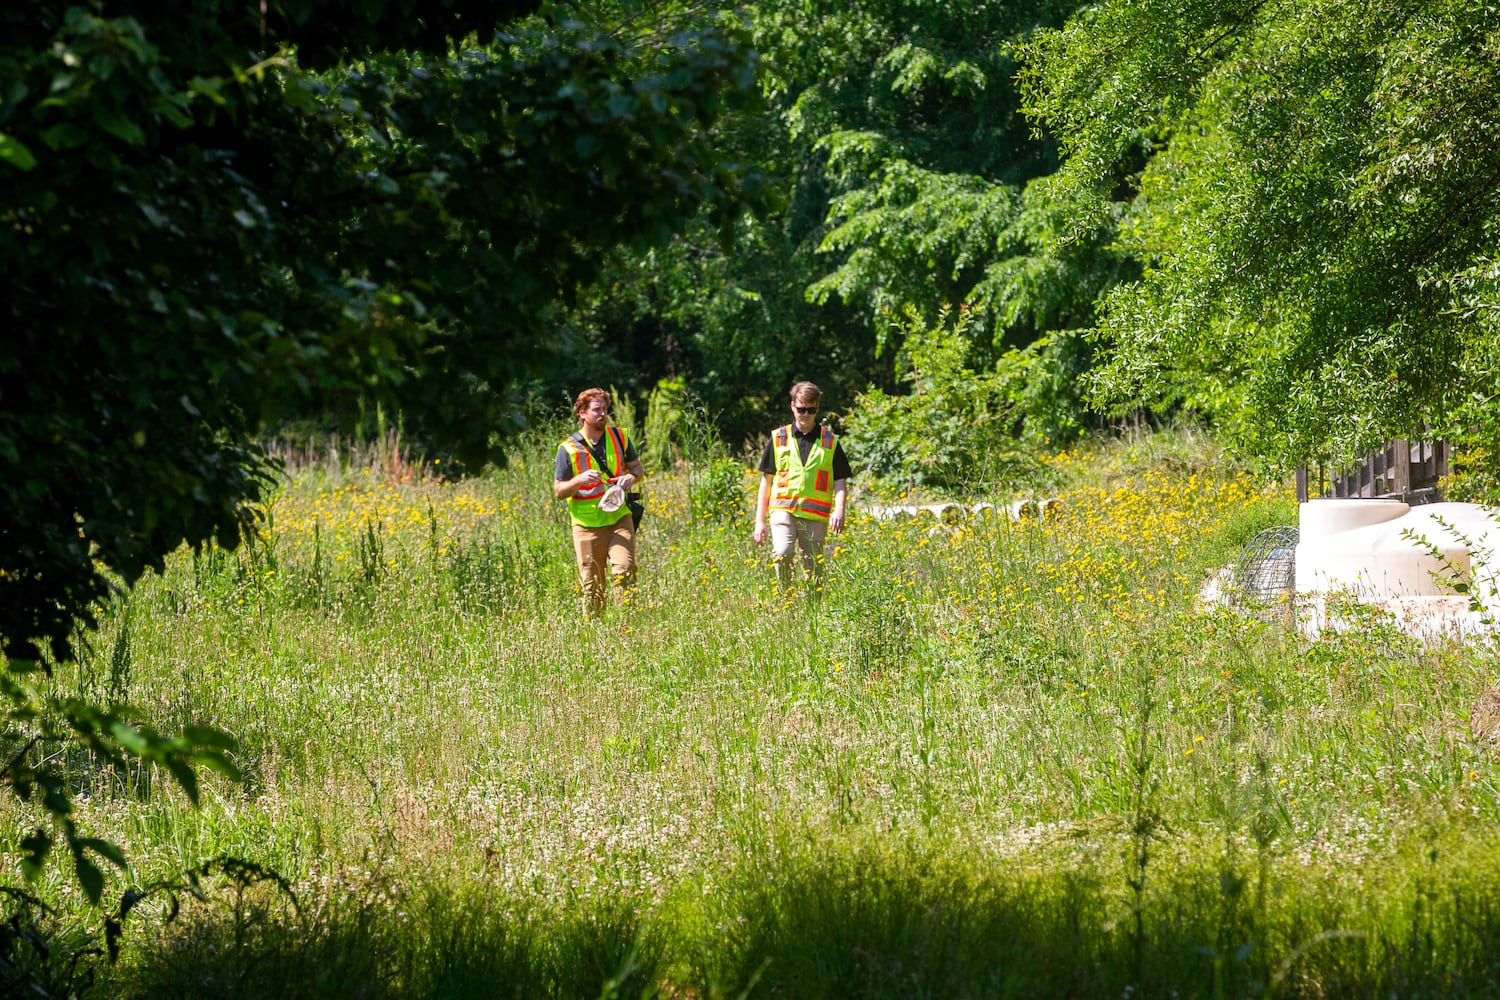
point(598, 548)
point(790, 533)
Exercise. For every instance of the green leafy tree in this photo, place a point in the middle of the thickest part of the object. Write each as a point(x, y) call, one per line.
point(952, 431)
point(217, 213)
point(729, 318)
point(924, 159)
point(1318, 209)
point(894, 132)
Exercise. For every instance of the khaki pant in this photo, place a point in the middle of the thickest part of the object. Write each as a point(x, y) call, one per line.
point(598, 548)
point(790, 533)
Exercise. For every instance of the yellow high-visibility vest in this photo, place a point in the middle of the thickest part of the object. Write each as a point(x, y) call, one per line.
point(804, 488)
point(583, 507)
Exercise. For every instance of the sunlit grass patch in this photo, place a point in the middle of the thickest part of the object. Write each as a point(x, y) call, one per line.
point(417, 696)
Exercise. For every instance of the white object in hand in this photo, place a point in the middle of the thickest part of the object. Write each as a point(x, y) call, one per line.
point(613, 498)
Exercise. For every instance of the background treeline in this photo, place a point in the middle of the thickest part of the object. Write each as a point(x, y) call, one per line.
point(897, 166)
point(1278, 221)
point(893, 136)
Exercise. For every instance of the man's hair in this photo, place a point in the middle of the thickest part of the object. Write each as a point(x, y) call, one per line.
point(806, 390)
point(586, 397)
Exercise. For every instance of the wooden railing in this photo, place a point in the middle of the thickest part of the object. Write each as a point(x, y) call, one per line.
point(1403, 469)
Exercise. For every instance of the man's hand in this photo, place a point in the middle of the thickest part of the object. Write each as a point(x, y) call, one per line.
point(840, 498)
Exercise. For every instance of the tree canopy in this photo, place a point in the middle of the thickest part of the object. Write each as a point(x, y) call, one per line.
point(1318, 209)
point(894, 130)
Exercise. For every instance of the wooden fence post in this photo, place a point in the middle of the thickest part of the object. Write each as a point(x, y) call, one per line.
point(1399, 481)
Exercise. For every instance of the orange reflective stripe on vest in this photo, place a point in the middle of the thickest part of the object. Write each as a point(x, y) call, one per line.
point(803, 488)
point(583, 507)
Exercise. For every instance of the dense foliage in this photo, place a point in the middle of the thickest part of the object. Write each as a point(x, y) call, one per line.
point(952, 430)
point(894, 131)
point(1318, 212)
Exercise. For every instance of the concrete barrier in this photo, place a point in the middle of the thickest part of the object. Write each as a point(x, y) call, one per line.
point(951, 514)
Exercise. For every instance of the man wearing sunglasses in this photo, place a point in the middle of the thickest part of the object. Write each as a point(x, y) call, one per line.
point(803, 486)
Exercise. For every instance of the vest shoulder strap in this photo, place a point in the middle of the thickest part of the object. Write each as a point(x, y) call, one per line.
point(578, 438)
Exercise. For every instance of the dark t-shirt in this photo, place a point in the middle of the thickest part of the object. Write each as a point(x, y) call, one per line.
point(804, 445)
point(563, 465)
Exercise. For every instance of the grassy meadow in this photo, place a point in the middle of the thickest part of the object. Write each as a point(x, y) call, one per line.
point(991, 759)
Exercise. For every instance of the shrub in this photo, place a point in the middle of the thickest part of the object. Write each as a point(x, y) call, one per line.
point(952, 432)
point(717, 491)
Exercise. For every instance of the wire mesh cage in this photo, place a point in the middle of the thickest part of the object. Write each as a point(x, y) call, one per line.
point(1267, 566)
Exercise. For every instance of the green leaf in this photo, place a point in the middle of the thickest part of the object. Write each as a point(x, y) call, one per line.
point(65, 135)
point(34, 851)
point(104, 848)
point(128, 737)
point(186, 777)
point(90, 877)
point(114, 121)
point(14, 152)
point(206, 736)
point(215, 761)
point(211, 87)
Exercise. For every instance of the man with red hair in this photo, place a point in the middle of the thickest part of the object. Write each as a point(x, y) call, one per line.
point(595, 467)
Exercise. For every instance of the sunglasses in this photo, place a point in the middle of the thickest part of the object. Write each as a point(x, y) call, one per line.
point(804, 410)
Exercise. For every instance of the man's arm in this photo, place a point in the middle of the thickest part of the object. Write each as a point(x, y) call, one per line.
point(564, 488)
point(841, 474)
point(840, 495)
point(563, 485)
point(762, 504)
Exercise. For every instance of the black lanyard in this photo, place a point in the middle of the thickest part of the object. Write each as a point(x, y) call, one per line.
point(603, 465)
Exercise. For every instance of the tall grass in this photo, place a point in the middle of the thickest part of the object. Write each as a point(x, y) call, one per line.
point(992, 758)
